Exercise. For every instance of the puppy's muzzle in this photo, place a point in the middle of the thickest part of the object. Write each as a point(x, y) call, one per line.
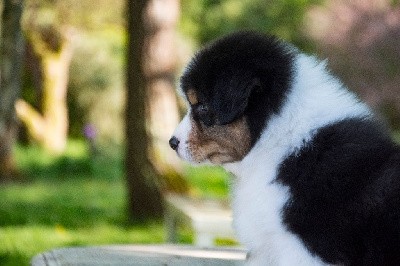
point(174, 143)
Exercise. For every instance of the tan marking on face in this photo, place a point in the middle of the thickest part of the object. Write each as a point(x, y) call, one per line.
point(219, 143)
point(192, 96)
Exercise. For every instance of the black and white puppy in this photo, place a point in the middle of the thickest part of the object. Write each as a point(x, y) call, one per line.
point(317, 177)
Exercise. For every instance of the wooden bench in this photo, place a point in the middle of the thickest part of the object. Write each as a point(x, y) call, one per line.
point(208, 219)
point(148, 255)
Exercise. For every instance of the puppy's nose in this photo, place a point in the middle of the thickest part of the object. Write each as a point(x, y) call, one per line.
point(173, 143)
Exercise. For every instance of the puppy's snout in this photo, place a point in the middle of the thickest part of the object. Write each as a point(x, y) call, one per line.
point(173, 143)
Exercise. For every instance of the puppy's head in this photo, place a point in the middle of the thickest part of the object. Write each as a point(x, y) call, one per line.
point(232, 87)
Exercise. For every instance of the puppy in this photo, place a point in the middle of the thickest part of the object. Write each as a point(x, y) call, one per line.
point(317, 176)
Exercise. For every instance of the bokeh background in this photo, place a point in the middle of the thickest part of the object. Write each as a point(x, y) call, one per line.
point(88, 100)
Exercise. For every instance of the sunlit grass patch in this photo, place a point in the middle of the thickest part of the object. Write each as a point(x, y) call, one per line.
point(72, 203)
point(209, 182)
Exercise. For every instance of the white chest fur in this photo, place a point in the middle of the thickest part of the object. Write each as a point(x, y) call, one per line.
point(257, 205)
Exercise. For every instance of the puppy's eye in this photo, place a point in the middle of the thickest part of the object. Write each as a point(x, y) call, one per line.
point(204, 115)
point(202, 109)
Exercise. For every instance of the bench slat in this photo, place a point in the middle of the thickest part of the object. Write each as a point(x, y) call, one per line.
point(141, 255)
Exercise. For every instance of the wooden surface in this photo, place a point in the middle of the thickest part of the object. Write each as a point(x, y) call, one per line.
point(208, 219)
point(141, 255)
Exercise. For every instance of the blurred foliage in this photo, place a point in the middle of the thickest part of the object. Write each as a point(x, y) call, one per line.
point(81, 14)
point(96, 84)
point(209, 19)
point(361, 40)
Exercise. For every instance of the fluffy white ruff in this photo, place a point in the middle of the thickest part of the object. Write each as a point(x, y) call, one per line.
point(316, 99)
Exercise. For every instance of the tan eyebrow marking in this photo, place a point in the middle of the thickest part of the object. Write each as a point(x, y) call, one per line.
point(192, 96)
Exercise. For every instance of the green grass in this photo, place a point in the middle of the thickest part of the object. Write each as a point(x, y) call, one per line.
point(69, 200)
point(208, 182)
point(79, 200)
point(73, 203)
point(20, 243)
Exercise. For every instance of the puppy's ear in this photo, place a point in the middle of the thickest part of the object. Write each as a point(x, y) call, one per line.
point(234, 98)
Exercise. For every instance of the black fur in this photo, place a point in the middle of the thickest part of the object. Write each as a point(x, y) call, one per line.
point(234, 81)
point(345, 187)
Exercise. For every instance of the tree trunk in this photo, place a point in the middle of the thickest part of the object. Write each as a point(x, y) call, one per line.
point(12, 50)
point(161, 59)
point(144, 196)
point(50, 128)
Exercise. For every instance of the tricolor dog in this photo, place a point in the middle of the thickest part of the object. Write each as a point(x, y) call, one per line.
point(317, 176)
